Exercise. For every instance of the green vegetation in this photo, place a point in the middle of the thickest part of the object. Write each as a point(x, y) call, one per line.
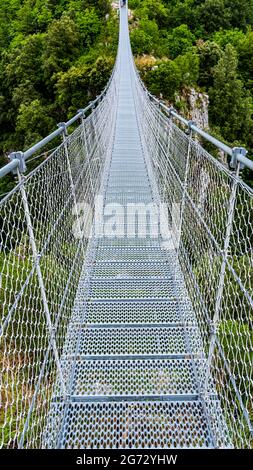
point(55, 56)
point(207, 45)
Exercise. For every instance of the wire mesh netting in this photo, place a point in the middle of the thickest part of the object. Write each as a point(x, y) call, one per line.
point(214, 239)
point(41, 257)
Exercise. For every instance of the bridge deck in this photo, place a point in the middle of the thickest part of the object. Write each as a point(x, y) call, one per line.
point(134, 367)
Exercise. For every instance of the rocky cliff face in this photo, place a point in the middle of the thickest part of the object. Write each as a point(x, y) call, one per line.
point(198, 108)
point(195, 106)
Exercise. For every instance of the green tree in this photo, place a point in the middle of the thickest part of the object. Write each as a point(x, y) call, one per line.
point(153, 10)
point(100, 74)
point(82, 83)
point(245, 51)
point(33, 122)
point(62, 45)
point(241, 13)
point(165, 79)
point(209, 54)
point(8, 12)
point(180, 40)
point(33, 16)
point(213, 15)
point(150, 27)
point(228, 36)
point(72, 89)
point(141, 42)
point(188, 65)
point(89, 25)
point(231, 107)
point(24, 63)
point(182, 12)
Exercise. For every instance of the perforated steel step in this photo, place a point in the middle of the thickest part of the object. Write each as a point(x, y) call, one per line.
point(139, 173)
point(135, 289)
point(134, 425)
point(125, 181)
point(139, 312)
point(128, 242)
point(133, 377)
point(128, 198)
point(134, 254)
point(133, 270)
point(137, 166)
point(129, 189)
point(132, 341)
point(141, 230)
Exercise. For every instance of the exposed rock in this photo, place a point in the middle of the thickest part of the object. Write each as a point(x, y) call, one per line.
point(197, 106)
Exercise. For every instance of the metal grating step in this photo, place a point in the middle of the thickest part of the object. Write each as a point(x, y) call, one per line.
point(132, 270)
point(127, 242)
point(132, 341)
point(132, 377)
point(111, 232)
point(135, 289)
point(122, 198)
point(126, 180)
point(130, 312)
point(139, 173)
point(134, 254)
point(137, 189)
point(131, 186)
point(134, 425)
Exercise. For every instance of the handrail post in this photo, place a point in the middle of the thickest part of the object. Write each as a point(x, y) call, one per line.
point(21, 162)
point(214, 323)
point(36, 258)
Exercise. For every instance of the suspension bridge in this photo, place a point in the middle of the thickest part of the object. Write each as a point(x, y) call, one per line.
point(127, 281)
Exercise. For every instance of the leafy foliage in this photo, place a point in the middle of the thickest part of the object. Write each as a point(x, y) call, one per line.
point(180, 40)
point(55, 56)
point(205, 45)
point(232, 106)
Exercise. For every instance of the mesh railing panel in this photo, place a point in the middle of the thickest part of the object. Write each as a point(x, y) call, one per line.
point(41, 259)
point(214, 240)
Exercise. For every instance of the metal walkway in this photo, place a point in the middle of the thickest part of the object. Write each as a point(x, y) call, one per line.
point(130, 329)
point(133, 381)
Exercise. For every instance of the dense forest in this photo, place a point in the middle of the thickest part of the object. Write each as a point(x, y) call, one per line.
point(55, 56)
point(206, 45)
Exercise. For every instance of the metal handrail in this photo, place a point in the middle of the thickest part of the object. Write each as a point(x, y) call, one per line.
point(237, 154)
point(17, 159)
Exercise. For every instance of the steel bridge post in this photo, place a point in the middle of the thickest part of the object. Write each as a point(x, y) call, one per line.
point(36, 258)
point(214, 324)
